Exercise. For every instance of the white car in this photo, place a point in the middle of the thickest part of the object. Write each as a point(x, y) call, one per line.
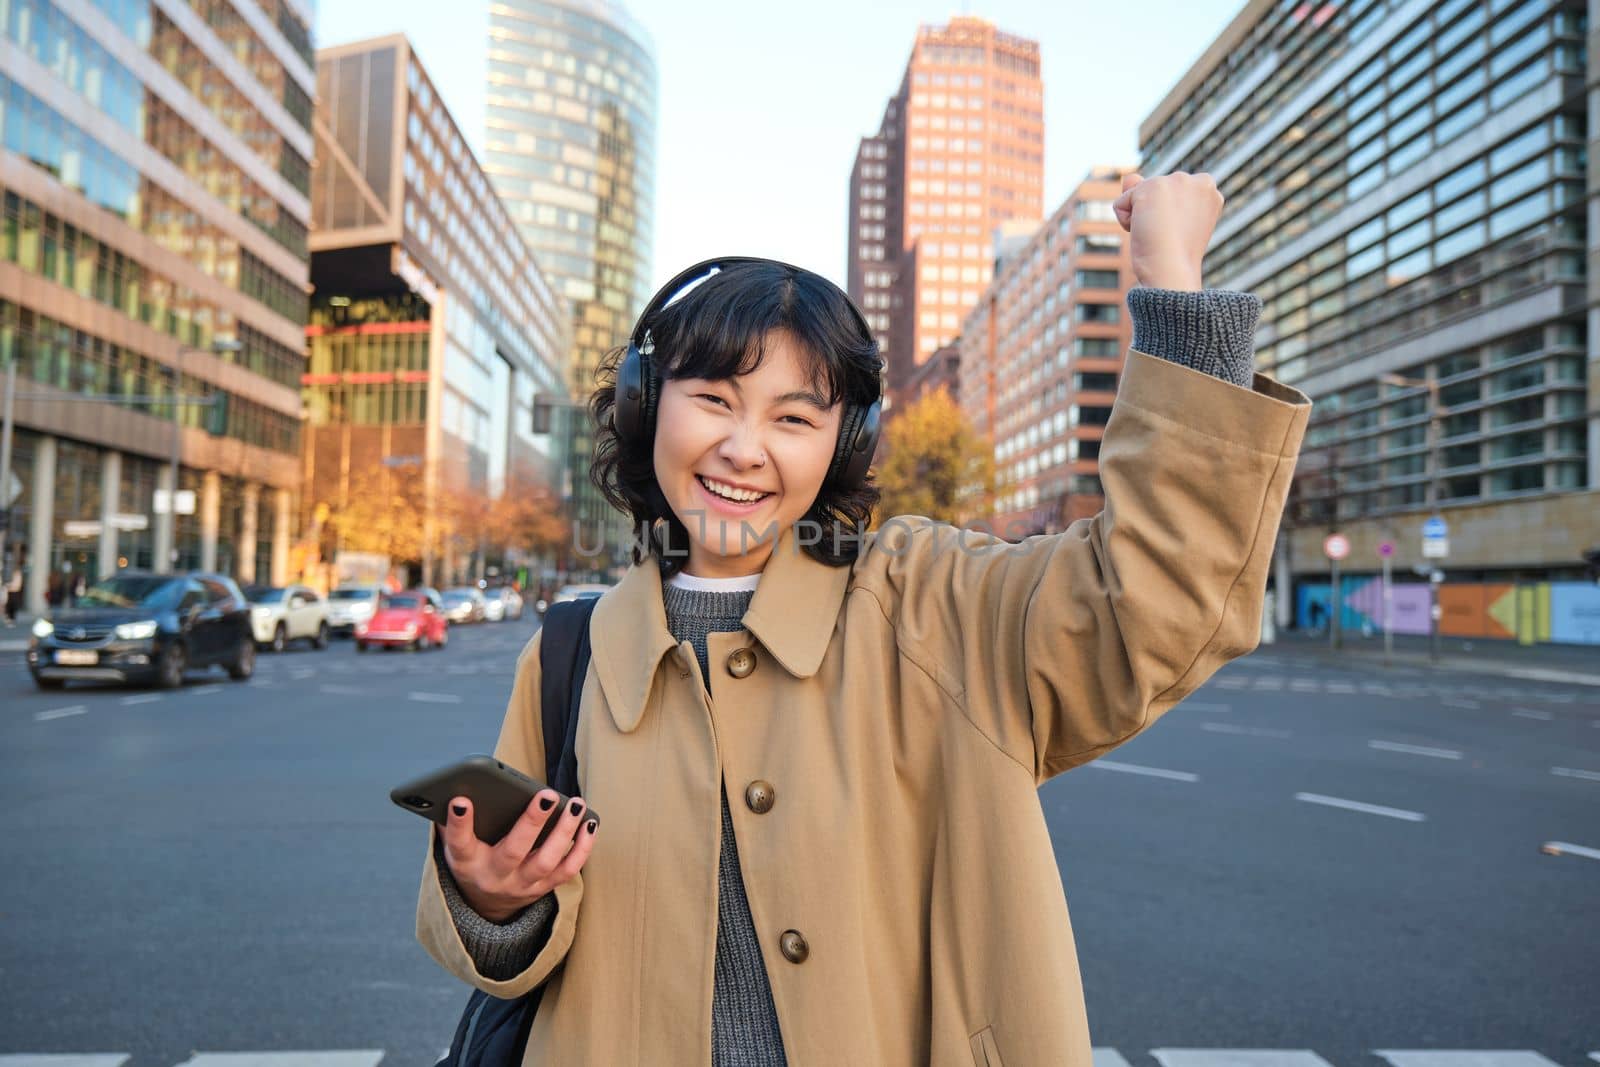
point(501, 603)
point(280, 614)
point(350, 604)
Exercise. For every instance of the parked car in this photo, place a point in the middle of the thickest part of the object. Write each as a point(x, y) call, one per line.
point(350, 604)
point(284, 613)
point(578, 591)
point(501, 603)
point(414, 619)
point(464, 604)
point(146, 629)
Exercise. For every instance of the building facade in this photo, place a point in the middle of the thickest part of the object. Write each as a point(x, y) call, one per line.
point(1040, 357)
point(571, 149)
point(433, 326)
point(960, 150)
point(155, 175)
point(1406, 192)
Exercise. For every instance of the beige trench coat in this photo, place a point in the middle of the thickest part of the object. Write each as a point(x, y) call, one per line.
point(904, 710)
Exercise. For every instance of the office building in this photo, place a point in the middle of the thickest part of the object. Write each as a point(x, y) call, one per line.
point(958, 152)
point(1041, 354)
point(433, 326)
point(1406, 192)
point(571, 149)
point(155, 176)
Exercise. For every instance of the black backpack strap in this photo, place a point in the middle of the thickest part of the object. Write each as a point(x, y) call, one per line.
point(563, 663)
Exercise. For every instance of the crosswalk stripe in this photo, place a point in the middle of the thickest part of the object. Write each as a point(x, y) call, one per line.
point(1464, 1058)
point(64, 1059)
point(1238, 1057)
point(360, 1057)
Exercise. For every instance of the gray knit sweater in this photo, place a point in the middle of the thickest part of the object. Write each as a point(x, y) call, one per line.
point(1211, 331)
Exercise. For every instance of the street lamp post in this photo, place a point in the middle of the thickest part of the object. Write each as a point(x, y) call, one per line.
point(1434, 414)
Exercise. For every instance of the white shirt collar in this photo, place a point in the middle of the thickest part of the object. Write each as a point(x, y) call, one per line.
point(741, 584)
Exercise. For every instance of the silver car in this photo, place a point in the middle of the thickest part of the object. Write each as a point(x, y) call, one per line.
point(464, 604)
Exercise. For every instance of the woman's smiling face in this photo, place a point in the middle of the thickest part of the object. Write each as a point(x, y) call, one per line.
point(765, 437)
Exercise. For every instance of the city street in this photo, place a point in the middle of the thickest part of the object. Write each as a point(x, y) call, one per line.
point(1338, 864)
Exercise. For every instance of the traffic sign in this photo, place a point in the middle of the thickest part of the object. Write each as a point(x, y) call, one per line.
point(1336, 546)
point(1386, 549)
point(1435, 538)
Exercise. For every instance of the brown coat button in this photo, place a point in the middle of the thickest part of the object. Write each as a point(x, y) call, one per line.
point(760, 796)
point(795, 949)
point(741, 661)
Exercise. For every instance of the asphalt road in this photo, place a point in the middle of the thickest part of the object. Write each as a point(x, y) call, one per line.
point(1333, 864)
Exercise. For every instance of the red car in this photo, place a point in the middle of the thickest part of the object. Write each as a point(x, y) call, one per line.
point(413, 619)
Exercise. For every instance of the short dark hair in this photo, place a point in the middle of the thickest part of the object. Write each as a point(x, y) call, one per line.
point(717, 330)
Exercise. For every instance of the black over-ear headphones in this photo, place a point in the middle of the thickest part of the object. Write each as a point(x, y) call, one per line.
point(639, 382)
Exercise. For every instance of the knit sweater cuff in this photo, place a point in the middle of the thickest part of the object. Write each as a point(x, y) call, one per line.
point(1211, 331)
point(500, 951)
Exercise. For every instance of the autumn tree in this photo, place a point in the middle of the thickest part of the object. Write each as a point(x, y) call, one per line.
point(936, 464)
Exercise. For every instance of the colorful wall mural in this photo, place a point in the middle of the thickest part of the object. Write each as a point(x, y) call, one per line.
point(1559, 612)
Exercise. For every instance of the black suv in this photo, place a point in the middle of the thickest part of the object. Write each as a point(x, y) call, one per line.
point(145, 628)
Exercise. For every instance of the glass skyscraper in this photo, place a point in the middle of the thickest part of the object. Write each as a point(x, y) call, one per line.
point(571, 149)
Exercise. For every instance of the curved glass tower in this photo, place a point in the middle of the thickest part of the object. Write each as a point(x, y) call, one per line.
point(570, 148)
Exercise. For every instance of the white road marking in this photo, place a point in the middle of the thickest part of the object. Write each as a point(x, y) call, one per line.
point(142, 698)
point(205, 690)
point(1568, 772)
point(344, 690)
point(64, 1059)
point(1414, 750)
point(1566, 848)
point(1530, 713)
point(1195, 705)
point(1238, 1057)
point(434, 698)
point(1356, 805)
point(1243, 731)
point(1153, 772)
point(1108, 1057)
point(1464, 1058)
point(362, 1057)
point(1233, 683)
point(60, 713)
point(1269, 682)
point(1304, 685)
point(1341, 687)
point(1377, 689)
point(1460, 702)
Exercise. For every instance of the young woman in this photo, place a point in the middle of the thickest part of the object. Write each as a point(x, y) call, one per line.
point(817, 752)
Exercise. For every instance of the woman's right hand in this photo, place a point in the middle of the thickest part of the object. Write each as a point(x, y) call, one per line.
point(499, 880)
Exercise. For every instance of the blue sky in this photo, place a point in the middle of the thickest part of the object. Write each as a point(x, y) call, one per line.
point(762, 104)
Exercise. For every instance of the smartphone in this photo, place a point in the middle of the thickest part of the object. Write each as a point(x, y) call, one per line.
point(499, 795)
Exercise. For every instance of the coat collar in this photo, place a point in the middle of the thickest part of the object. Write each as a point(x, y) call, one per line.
point(792, 614)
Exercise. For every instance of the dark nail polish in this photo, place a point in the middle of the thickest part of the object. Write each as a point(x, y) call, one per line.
point(546, 803)
point(592, 824)
point(576, 807)
point(459, 809)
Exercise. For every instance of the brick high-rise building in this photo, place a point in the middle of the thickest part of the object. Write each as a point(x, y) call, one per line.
point(1041, 354)
point(960, 150)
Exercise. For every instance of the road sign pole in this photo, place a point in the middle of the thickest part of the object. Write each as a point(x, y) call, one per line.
point(1333, 607)
point(1388, 611)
